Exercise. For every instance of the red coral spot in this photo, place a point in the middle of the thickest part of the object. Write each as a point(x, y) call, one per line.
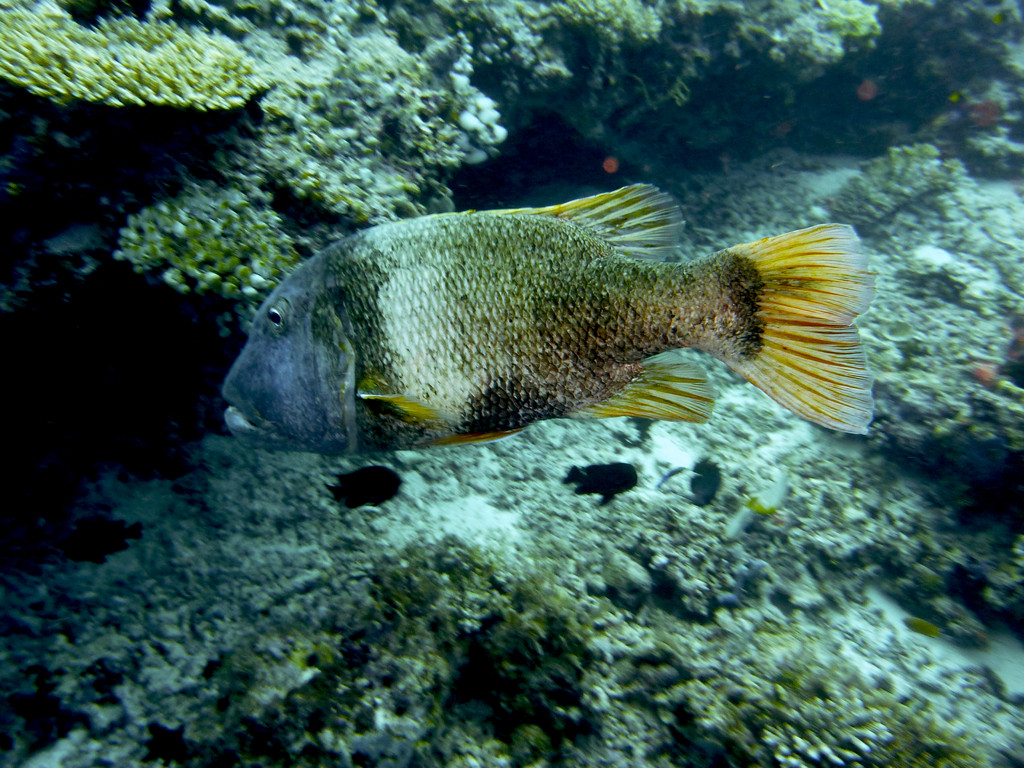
point(984, 113)
point(986, 374)
point(867, 90)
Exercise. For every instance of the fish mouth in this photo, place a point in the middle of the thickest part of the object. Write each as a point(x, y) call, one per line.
point(239, 425)
point(256, 430)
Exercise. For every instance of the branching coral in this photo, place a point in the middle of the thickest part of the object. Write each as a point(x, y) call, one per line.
point(122, 61)
point(210, 240)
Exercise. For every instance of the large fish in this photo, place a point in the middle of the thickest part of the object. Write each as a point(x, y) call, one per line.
point(465, 327)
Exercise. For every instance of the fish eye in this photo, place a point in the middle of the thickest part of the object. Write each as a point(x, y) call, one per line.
point(276, 314)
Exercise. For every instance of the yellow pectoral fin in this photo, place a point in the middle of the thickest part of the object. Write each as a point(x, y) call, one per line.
point(476, 437)
point(668, 389)
point(405, 408)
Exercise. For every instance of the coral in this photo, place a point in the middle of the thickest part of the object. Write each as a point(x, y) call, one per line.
point(369, 130)
point(949, 288)
point(618, 70)
point(952, 286)
point(479, 120)
point(905, 177)
point(784, 701)
point(817, 36)
point(614, 21)
point(122, 61)
point(210, 240)
point(816, 718)
point(435, 634)
point(995, 148)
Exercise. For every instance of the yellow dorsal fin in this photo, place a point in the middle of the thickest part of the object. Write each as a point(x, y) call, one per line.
point(668, 388)
point(639, 220)
point(811, 361)
point(476, 437)
point(407, 409)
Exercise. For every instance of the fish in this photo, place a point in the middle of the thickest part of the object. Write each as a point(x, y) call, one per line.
point(706, 480)
point(604, 479)
point(367, 485)
point(94, 538)
point(922, 627)
point(467, 327)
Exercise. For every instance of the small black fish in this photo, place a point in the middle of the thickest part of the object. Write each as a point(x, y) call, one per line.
point(96, 537)
point(605, 479)
point(369, 485)
point(706, 480)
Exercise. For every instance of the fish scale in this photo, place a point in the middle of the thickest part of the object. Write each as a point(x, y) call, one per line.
point(508, 311)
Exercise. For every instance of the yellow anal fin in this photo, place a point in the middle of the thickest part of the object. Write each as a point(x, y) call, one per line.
point(811, 360)
point(405, 408)
point(639, 220)
point(668, 388)
point(476, 437)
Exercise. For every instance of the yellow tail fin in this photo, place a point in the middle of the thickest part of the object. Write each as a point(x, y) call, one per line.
point(815, 283)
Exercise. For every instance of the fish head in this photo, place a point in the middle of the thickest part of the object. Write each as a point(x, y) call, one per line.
point(292, 385)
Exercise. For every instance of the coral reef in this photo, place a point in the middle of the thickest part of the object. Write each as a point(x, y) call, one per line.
point(954, 280)
point(938, 335)
point(210, 239)
point(368, 130)
point(803, 708)
point(122, 61)
point(366, 111)
point(810, 36)
point(621, 72)
point(986, 128)
point(911, 177)
point(613, 21)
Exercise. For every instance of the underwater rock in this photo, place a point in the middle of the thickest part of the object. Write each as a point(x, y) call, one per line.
point(369, 485)
point(604, 479)
point(627, 581)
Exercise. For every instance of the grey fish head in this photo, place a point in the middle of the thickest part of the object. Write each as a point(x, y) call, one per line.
point(292, 385)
